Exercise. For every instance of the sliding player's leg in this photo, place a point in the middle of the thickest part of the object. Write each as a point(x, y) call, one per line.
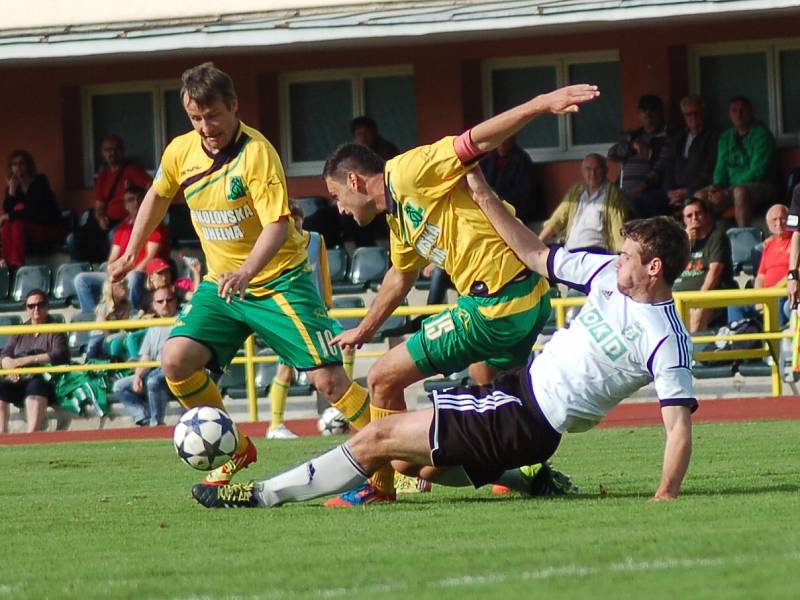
point(404, 436)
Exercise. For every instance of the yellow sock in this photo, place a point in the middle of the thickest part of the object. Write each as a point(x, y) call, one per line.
point(354, 404)
point(383, 478)
point(348, 360)
point(199, 390)
point(278, 391)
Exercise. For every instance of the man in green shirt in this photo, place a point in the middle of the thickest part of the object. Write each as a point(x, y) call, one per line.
point(745, 170)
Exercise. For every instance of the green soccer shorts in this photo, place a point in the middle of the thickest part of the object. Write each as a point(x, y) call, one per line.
point(499, 329)
point(291, 319)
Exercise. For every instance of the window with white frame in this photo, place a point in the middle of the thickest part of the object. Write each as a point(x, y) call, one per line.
point(766, 72)
point(508, 82)
point(146, 115)
point(317, 107)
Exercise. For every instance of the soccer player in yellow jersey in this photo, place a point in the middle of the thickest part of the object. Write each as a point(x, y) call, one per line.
point(502, 306)
point(259, 279)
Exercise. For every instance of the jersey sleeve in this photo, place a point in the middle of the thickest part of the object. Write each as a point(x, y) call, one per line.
point(577, 270)
point(431, 171)
point(670, 365)
point(166, 183)
point(266, 183)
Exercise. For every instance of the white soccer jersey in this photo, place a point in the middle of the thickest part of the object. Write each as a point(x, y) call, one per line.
point(611, 349)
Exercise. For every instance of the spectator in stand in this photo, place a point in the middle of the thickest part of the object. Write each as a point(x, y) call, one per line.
point(162, 273)
point(685, 166)
point(744, 175)
point(509, 171)
point(89, 285)
point(774, 265)
point(27, 350)
point(640, 149)
point(591, 213)
point(31, 214)
point(114, 305)
point(365, 132)
point(114, 179)
point(710, 265)
point(145, 393)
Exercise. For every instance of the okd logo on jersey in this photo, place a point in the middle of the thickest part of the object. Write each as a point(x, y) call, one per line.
point(236, 188)
point(611, 344)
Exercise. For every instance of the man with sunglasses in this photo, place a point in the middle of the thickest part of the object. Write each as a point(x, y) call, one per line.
point(145, 393)
point(31, 392)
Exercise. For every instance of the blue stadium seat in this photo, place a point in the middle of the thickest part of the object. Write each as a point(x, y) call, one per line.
point(337, 265)
point(393, 322)
point(233, 382)
point(28, 277)
point(79, 340)
point(4, 283)
point(743, 240)
point(369, 265)
point(64, 284)
point(8, 320)
point(348, 302)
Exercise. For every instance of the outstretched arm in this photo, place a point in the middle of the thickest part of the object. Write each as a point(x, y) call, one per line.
point(677, 451)
point(522, 241)
point(489, 134)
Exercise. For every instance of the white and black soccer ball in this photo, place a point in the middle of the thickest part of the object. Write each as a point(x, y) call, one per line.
point(205, 438)
point(332, 422)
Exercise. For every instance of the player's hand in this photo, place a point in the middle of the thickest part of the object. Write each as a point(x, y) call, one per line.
point(791, 292)
point(234, 284)
point(351, 339)
point(118, 269)
point(567, 99)
point(138, 385)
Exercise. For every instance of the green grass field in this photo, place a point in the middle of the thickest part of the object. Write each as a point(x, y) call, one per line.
point(116, 520)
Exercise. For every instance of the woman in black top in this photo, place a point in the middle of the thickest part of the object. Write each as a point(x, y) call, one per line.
point(31, 214)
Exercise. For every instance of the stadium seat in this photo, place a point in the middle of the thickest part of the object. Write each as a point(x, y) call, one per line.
point(755, 256)
point(64, 284)
point(181, 230)
point(310, 204)
point(28, 277)
point(348, 302)
point(4, 283)
point(452, 380)
point(393, 322)
point(8, 320)
point(57, 318)
point(233, 382)
point(755, 368)
point(337, 265)
point(79, 340)
point(370, 264)
point(713, 370)
point(743, 240)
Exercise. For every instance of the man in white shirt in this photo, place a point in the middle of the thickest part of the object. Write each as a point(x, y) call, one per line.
point(591, 212)
point(626, 335)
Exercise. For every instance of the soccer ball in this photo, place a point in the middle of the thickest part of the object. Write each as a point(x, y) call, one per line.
point(205, 438)
point(332, 422)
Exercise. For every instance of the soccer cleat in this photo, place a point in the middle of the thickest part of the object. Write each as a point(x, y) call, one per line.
point(222, 475)
point(234, 495)
point(410, 485)
point(361, 496)
point(542, 480)
point(281, 432)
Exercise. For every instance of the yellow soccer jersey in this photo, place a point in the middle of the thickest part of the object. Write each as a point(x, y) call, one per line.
point(435, 220)
point(231, 196)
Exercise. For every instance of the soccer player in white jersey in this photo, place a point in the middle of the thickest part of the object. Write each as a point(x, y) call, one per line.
point(626, 335)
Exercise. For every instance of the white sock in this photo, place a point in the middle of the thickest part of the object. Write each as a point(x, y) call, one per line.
point(452, 477)
point(333, 472)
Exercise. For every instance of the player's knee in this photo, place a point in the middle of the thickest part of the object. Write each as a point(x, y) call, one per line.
point(380, 384)
point(172, 364)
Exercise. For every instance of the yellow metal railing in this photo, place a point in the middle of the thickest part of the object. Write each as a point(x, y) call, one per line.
point(684, 301)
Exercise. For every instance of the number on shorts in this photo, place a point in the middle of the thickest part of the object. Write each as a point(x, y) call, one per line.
point(439, 326)
point(324, 338)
